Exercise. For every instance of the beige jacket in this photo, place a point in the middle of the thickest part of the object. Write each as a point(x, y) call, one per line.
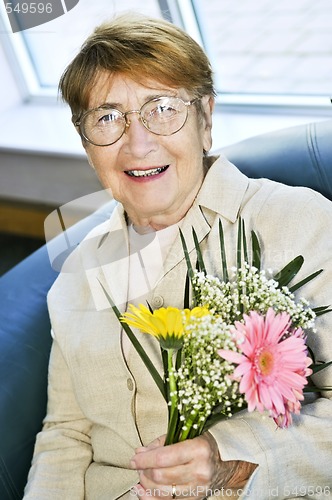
point(100, 407)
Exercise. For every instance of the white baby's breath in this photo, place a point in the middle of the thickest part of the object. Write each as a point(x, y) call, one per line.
point(250, 290)
point(204, 379)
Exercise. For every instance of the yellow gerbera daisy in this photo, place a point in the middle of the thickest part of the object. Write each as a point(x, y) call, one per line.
point(167, 323)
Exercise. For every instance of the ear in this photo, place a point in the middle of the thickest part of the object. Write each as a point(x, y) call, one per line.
point(208, 107)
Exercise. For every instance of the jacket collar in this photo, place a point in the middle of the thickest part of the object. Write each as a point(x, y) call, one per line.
point(223, 189)
point(222, 192)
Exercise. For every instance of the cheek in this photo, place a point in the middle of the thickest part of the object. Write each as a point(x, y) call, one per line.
point(100, 159)
point(104, 165)
point(190, 144)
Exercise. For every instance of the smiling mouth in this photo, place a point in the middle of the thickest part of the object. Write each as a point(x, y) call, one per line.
point(146, 173)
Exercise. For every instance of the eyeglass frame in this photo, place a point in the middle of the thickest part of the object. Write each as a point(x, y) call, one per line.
point(78, 122)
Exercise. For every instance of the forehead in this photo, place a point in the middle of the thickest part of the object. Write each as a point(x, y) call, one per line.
point(121, 89)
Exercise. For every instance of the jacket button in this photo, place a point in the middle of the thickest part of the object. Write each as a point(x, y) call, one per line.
point(157, 301)
point(130, 384)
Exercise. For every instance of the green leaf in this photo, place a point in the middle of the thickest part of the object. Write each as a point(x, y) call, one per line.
point(186, 256)
point(200, 261)
point(312, 354)
point(164, 358)
point(317, 367)
point(304, 281)
point(319, 311)
point(244, 242)
point(240, 241)
point(140, 350)
point(189, 266)
point(178, 360)
point(314, 388)
point(149, 307)
point(256, 251)
point(239, 245)
point(285, 276)
point(186, 300)
point(225, 276)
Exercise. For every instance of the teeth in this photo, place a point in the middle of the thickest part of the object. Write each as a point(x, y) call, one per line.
point(146, 173)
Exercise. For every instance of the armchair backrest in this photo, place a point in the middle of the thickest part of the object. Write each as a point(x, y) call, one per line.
point(297, 156)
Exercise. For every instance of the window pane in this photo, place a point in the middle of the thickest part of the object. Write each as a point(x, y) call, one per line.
point(54, 44)
point(268, 46)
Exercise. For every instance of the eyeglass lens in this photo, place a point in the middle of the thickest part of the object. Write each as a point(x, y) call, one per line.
point(162, 116)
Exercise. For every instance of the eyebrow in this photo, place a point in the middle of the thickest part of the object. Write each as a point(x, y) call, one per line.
point(118, 105)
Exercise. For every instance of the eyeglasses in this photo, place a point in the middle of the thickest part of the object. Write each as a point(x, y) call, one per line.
point(105, 125)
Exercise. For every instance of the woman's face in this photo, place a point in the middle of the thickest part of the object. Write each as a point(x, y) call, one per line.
point(162, 199)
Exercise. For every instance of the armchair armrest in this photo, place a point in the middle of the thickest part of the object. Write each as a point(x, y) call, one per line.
point(25, 343)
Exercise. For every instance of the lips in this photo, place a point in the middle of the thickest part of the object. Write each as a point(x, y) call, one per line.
point(146, 173)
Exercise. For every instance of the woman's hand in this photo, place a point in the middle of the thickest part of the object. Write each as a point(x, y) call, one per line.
point(191, 469)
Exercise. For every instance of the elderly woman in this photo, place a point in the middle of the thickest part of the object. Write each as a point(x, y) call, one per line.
point(142, 97)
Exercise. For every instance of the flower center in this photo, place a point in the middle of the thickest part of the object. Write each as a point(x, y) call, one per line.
point(265, 362)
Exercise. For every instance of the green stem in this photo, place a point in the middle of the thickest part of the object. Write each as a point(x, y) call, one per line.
point(173, 415)
point(188, 425)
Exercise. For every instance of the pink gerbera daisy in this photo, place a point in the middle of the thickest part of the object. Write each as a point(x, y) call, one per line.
point(272, 364)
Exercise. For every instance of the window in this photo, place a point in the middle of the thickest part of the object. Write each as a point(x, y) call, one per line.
point(264, 50)
point(44, 51)
point(261, 50)
point(272, 63)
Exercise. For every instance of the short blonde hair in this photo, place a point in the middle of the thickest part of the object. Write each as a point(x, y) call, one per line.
point(142, 48)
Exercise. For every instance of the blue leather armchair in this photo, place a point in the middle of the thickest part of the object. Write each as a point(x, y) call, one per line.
point(300, 155)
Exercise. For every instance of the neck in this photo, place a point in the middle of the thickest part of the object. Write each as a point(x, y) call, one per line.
point(147, 225)
point(155, 222)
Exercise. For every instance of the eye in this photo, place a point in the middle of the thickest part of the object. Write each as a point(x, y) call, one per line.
point(106, 118)
point(161, 112)
point(165, 109)
point(110, 117)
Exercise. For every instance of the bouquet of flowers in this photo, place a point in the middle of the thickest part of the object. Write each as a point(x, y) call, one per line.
point(239, 342)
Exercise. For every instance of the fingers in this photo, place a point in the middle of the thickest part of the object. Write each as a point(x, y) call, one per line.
point(177, 469)
point(164, 478)
point(160, 441)
point(194, 465)
point(158, 456)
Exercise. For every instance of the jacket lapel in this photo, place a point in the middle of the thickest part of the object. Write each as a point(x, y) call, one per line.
point(194, 219)
point(110, 267)
point(222, 193)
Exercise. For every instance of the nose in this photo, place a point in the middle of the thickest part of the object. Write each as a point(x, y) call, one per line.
point(139, 141)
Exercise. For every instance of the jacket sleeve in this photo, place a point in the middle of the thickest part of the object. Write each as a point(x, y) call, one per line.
point(63, 449)
point(293, 462)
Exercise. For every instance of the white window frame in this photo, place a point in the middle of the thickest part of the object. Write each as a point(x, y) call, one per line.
point(236, 116)
point(268, 102)
point(182, 13)
point(20, 61)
